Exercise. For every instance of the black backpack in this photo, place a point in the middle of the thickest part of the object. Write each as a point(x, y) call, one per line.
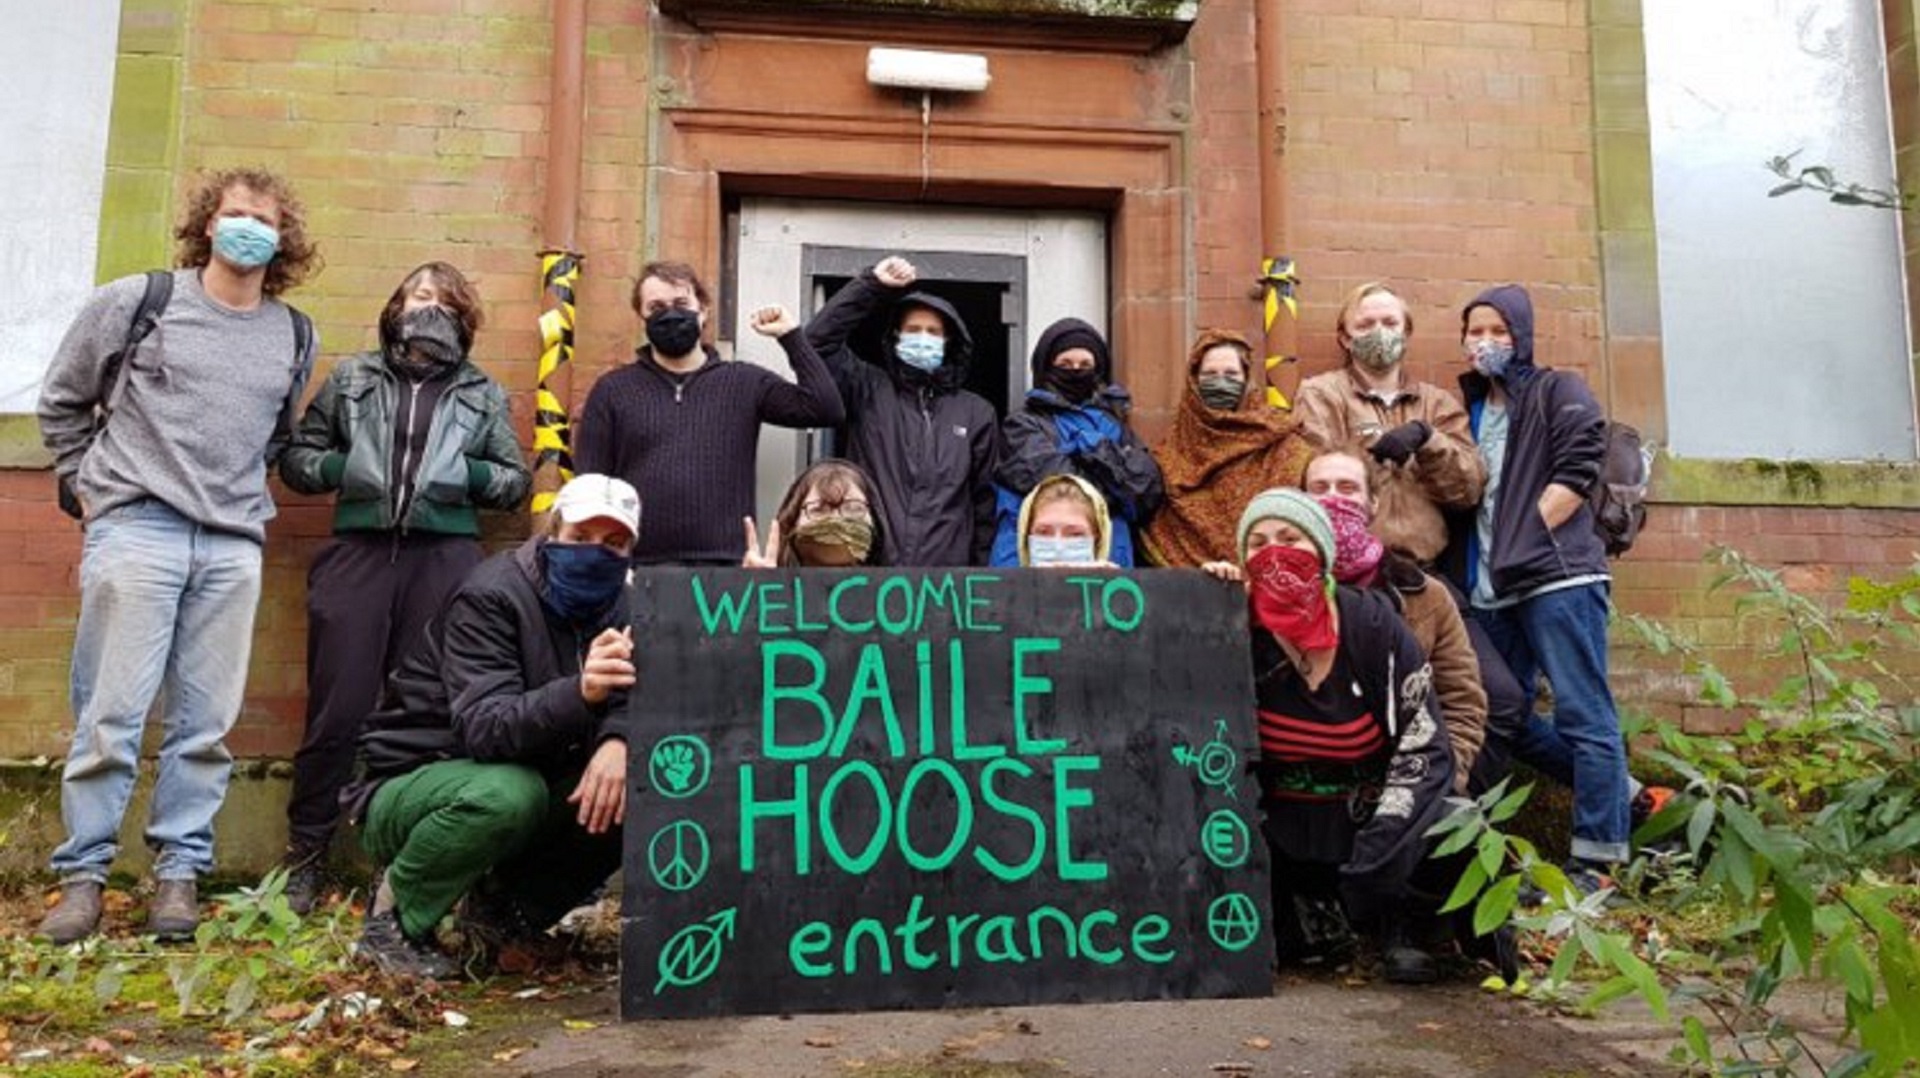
point(1619, 499)
point(153, 304)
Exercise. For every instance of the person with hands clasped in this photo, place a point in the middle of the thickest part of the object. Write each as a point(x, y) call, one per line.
point(1075, 423)
point(495, 767)
point(414, 440)
point(1418, 432)
point(930, 445)
point(682, 425)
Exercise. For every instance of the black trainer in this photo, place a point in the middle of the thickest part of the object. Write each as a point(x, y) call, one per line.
point(1403, 963)
point(386, 947)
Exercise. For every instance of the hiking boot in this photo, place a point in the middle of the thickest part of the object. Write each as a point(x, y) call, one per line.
point(305, 881)
point(76, 917)
point(1403, 963)
point(385, 946)
point(174, 913)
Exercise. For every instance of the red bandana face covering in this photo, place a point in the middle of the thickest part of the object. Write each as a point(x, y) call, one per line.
point(1289, 599)
point(1356, 552)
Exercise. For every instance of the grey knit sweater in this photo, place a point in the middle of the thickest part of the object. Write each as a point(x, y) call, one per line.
point(206, 403)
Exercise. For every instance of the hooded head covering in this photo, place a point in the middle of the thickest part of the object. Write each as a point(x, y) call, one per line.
point(1516, 309)
point(1066, 334)
point(1295, 507)
point(1214, 462)
point(1102, 522)
point(952, 373)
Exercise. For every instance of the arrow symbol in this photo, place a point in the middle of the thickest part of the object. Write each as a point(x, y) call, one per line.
point(691, 955)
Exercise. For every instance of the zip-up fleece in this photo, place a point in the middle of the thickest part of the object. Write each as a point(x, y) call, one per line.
point(1556, 433)
point(469, 458)
point(930, 445)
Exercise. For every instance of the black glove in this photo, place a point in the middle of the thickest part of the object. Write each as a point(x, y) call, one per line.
point(1400, 443)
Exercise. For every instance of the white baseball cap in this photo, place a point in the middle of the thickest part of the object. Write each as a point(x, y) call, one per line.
point(587, 497)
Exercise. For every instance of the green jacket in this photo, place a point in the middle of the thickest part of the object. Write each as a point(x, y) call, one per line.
point(345, 444)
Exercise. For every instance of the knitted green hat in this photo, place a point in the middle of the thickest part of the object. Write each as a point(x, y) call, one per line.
point(1297, 508)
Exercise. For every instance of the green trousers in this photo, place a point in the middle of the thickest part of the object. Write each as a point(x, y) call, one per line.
point(443, 828)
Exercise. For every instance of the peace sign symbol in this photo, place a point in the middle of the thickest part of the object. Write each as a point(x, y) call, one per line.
point(678, 855)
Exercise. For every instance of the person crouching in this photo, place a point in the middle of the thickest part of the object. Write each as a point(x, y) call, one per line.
point(495, 768)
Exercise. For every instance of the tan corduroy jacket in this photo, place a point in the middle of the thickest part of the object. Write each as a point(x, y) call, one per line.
point(1446, 473)
point(1434, 618)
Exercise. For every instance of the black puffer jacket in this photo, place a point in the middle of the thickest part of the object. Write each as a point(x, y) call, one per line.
point(495, 679)
point(1556, 433)
point(930, 444)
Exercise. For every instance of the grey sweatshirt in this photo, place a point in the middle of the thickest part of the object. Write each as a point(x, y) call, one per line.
point(200, 409)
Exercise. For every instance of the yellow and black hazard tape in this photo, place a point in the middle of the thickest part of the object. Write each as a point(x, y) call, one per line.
point(552, 429)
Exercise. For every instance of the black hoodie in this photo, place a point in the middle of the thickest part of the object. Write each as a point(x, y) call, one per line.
point(1556, 433)
point(929, 444)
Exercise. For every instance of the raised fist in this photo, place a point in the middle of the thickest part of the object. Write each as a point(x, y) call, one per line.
point(895, 272)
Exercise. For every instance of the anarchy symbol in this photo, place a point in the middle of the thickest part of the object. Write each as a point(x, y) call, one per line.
point(1215, 762)
point(692, 954)
point(1233, 921)
point(678, 855)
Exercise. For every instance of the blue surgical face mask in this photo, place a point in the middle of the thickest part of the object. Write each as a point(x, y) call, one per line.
point(583, 579)
point(1490, 357)
point(244, 242)
point(921, 351)
point(1044, 550)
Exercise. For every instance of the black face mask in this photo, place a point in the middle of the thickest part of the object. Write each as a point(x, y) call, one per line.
point(674, 332)
point(1075, 385)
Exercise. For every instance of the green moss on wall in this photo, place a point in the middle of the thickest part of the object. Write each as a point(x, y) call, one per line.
point(1835, 484)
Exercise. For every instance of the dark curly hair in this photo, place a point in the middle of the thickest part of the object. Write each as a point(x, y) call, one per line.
point(295, 261)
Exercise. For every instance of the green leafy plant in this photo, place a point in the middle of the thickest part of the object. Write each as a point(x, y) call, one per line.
point(1821, 179)
point(1791, 854)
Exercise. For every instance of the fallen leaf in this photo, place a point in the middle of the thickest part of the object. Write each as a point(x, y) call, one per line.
point(1232, 1067)
point(292, 1053)
point(508, 1055)
point(527, 993)
point(579, 1024)
point(1429, 1027)
point(1027, 1027)
point(1260, 1043)
point(285, 1012)
point(98, 1046)
point(402, 1064)
point(124, 1036)
point(820, 1040)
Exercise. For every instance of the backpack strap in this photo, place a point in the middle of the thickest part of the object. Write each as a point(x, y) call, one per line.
point(153, 304)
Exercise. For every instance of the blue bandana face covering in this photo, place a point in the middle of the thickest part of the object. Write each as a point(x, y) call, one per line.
point(921, 351)
point(583, 579)
point(1044, 550)
point(244, 241)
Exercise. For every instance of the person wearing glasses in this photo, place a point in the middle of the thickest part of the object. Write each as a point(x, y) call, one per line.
point(830, 518)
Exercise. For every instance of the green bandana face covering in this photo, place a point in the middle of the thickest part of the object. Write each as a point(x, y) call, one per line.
point(1221, 393)
point(834, 541)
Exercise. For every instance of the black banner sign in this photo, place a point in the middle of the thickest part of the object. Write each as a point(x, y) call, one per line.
point(867, 790)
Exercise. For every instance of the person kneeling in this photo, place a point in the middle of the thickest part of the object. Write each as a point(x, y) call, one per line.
point(1354, 768)
point(497, 762)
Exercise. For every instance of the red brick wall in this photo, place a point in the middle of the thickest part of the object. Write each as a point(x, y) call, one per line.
point(1442, 145)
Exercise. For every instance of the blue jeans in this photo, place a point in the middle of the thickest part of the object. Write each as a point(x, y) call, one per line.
point(165, 604)
point(1564, 634)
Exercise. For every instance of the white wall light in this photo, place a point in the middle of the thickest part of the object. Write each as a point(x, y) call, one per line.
point(921, 69)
